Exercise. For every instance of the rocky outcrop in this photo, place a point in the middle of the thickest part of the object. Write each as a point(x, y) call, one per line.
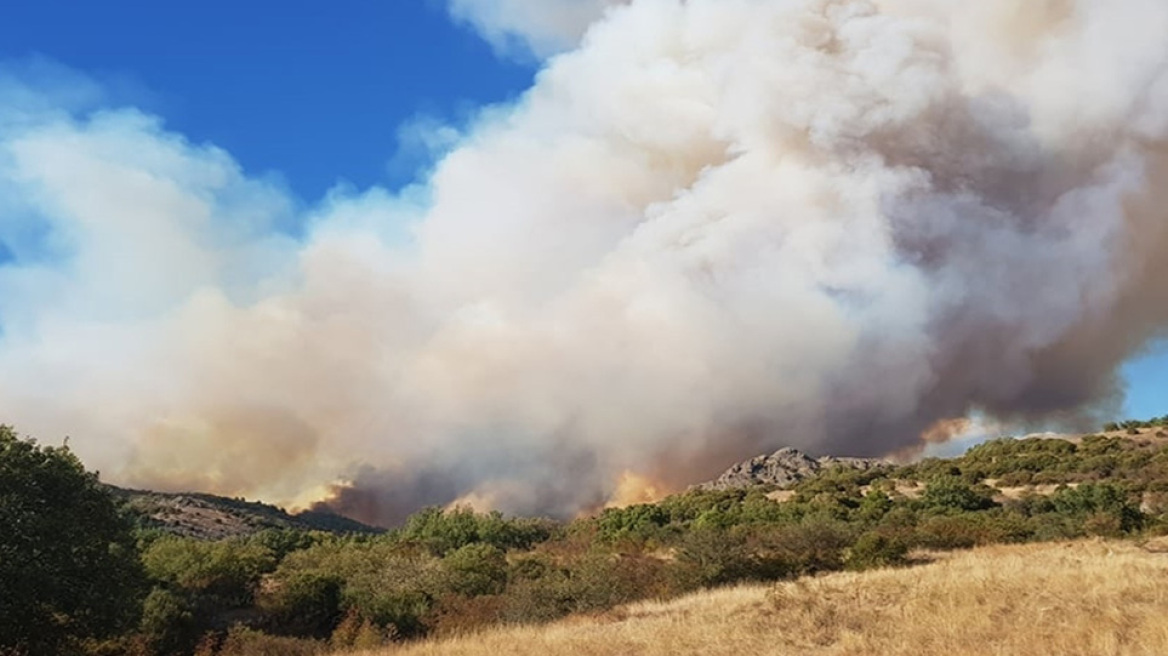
point(783, 468)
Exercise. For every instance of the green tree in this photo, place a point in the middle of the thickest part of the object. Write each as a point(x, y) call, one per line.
point(68, 567)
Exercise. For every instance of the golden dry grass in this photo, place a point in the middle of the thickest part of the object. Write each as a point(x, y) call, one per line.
point(1086, 598)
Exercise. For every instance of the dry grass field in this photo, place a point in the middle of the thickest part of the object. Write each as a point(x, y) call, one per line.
point(1089, 598)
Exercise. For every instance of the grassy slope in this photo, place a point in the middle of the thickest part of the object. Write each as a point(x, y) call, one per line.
point(1084, 598)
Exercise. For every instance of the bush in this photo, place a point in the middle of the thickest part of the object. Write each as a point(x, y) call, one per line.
point(357, 632)
point(241, 641)
point(874, 506)
point(876, 550)
point(711, 556)
point(476, 569)
point(812, 546)
point(170, 622)
point(445, 531)
point(640, 522)
point(1095, 502)
point(949, 532)
point(306, 604)
point(455, 615)
point(385, 582)
point(953, 495)
point(226, 572)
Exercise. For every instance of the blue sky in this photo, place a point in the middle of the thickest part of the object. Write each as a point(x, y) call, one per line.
point(312, 93)
point(1147, 379)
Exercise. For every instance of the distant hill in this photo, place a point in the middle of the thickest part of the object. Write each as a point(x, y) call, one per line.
point(210, 517)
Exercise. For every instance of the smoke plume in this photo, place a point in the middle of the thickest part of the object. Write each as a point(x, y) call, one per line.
point(531, 27)
point(711, 228)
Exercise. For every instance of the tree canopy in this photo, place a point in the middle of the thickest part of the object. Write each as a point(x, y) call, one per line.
point(69, 570)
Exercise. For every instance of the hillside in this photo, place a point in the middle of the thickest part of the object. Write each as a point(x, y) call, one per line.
point(1090, 598)
point(210, 517)
point(449, 573)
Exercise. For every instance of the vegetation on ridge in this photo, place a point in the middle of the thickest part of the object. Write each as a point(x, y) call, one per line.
point(207, 516)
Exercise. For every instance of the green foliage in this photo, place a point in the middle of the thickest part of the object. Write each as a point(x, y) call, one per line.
point(711, 555)
point(1105, 507)
point(476, 569)
point(445, 531)
point(1135, 425)
point(876, 550)
point(584, 583)
point(357, 632)
point(384, 581)
point(227, 571)
point(816, 544)
point(638, 523)
point(306, 604)
point(950, 494)
point(242, 641)
point(281, 542)
point(170, 621)
point(68, 567)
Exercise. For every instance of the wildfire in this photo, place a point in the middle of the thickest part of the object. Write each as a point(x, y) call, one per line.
point(634, 488)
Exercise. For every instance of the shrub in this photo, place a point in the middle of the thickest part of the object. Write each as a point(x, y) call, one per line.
point(874, 506)
point(227, 571)
point(357, 632)
point(876, 550)
point(445, 531)
point(305, 604)
point(949, 532)
point(170, 621)
point(1095, 501)
point(639, 522)
point(952, 495)
point(241, 641)
point(476, 569)
point(711, 556)
point(455, 615)
point(812, 546)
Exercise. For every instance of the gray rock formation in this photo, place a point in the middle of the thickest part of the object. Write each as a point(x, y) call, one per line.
point(783, 468)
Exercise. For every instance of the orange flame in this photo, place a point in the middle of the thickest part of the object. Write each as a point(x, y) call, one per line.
point(634, 488)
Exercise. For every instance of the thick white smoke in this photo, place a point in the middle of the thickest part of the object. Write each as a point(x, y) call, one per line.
point(532, 27)
point(715, 228)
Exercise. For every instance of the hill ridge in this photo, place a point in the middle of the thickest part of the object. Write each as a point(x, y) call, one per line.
point(212, 517)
